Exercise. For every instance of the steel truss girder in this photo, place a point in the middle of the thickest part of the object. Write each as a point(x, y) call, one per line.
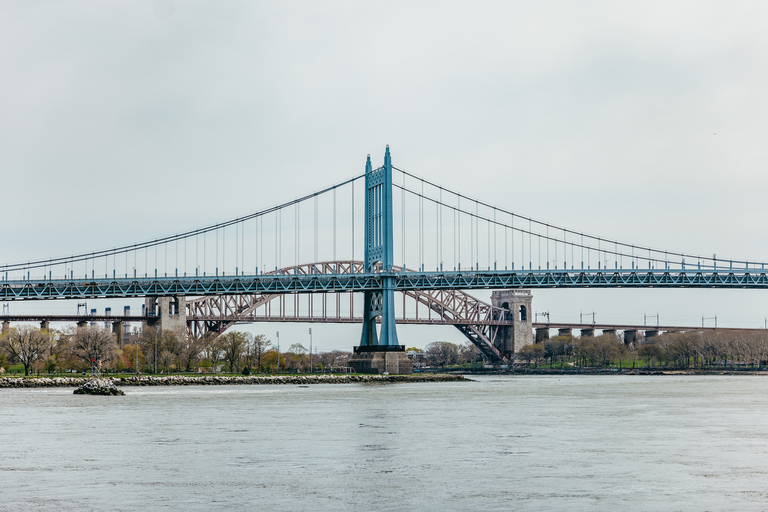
point(313, 279)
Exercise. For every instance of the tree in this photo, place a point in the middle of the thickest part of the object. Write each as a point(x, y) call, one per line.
point(649, 352)
point(442, 353)
point(190, 349)
point(531, 353)
point(233, 344)
point(129, 354)
point(26, 344)
point(260, 347)
point(469, 353)
point(212, 348)
point(147, 340)
point(94, 344)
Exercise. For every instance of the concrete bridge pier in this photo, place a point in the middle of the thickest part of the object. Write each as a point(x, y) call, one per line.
point(117, 329)
point(587, 332)
point(630, 336)
point(565, 331)
point(6, 326)
point(45, 325)
point(81, 323)
point(517, 307)
point(651, 333)
point(169, 313)
point(609, 331)
point(542, 334)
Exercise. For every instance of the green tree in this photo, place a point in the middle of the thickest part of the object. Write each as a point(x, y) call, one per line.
point(531, 353)
point(233, 345)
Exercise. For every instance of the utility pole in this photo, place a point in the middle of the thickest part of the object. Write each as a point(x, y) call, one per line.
point(137, 353)
point(155, 350)
point(278, 351)
point(310, 350)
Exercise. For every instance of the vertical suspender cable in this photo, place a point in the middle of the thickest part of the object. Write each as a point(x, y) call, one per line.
point(402, 227)
point(458, 225)
point(277, 242)
point(334, 224)
point(437, 238)
point(440, 229)
point(353, 240)
point(494, 239)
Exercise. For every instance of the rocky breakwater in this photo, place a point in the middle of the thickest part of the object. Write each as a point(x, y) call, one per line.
point(220, 380)
point(104, 387)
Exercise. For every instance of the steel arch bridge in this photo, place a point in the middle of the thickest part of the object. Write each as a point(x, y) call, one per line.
point(482, 323)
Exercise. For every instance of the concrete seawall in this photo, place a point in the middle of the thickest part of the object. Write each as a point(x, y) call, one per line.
point(212, 380)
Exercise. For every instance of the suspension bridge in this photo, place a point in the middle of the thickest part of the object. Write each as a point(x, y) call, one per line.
point(425, 242)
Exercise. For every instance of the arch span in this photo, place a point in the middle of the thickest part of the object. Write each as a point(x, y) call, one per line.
point(482, 323)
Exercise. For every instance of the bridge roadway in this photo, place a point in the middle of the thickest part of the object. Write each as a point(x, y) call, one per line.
point(318, 279)
point(357, 320)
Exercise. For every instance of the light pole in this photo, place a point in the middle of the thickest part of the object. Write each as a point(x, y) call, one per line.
point(278, 351)
point(137, 354)
point(310, 350)
point(155, 350)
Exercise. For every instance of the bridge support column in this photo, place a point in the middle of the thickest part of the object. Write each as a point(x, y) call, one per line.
point(587, 332)
point(542, 334)
point(565, 331)
point(651, 334)
point(45, 325)
point(170, 313)
point(117, 328)
point(609, 331)
point(517, 306)
point(379, 354)
point(630, 336)
point(6, 326)
point(81, 323)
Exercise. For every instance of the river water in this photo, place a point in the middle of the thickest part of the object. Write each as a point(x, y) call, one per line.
point(499, 443)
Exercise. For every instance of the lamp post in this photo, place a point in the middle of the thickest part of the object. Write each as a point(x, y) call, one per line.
point(278, 351)
point(310, 350)
point(155, 350)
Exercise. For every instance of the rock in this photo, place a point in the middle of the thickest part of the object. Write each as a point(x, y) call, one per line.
point(99, 387)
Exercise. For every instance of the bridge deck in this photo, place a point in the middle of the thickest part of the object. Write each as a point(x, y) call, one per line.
point(360, 282)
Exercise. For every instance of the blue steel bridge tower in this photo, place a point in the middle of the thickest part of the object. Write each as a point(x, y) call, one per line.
point(379, 352)
point(379, 252)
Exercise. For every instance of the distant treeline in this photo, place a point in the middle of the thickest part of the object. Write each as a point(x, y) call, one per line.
point(672, 349)
point(79, 349)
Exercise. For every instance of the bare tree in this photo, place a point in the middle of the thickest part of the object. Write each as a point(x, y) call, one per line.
point(442, 353)
point(212, 348)
point(94, 344)
point(234, 345)
point(261, 345)
point(26, 344)
point(191, 348)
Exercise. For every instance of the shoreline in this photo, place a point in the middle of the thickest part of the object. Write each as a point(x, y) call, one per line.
point(266, 380)
point(623, 371)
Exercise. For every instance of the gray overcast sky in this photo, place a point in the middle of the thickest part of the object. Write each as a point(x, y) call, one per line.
point(125, 121)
